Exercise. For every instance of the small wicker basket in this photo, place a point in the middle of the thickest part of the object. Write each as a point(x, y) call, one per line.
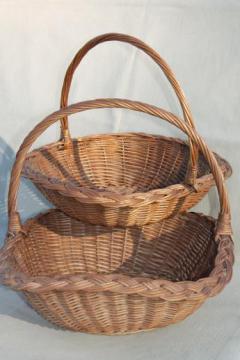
point(121, 179)
point(111, 280)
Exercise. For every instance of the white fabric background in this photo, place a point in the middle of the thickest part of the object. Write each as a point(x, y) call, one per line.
point(200, 41)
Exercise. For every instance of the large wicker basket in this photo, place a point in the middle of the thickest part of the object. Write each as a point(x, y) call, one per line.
point(121, 179)
point(112, 280)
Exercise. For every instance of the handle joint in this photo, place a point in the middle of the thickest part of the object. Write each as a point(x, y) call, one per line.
point(223, 226)
point(14, 224)
point(66, 138)
point(191, 177)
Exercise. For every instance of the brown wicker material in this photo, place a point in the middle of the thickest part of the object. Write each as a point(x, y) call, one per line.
point(112, 280)
point(121, 179)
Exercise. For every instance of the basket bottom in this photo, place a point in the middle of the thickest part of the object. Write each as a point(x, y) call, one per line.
point(139, 314)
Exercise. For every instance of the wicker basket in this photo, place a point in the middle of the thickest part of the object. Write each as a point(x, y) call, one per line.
point(112, 280)
point(121, 179)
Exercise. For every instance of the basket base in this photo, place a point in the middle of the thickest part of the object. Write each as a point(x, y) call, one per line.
point(183, 309)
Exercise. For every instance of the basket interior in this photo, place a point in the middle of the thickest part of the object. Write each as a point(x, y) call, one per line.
point(180, 248)
point(123, 163)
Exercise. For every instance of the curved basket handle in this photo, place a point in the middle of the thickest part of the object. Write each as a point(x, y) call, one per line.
point(224, 220)
point(193, 160)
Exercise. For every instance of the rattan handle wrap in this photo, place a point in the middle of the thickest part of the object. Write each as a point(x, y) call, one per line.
point(224, 222)
point(192, 169)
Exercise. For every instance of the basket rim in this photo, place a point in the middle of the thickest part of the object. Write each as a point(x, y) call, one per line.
point(145, 286)
point(112, 199)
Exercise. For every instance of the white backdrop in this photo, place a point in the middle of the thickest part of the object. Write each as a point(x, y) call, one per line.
point(200, 41)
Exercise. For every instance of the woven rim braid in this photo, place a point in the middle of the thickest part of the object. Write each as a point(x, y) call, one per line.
point(121, 179)
point(102, 302)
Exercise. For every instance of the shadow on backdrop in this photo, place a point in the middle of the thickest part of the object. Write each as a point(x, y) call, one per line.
point(30, 202)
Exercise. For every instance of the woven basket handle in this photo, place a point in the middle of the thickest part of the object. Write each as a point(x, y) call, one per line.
point(193, 160)
point(224, 221)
